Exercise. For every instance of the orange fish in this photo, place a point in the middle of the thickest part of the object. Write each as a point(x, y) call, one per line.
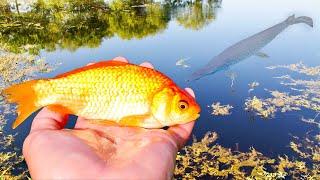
point(108, 92)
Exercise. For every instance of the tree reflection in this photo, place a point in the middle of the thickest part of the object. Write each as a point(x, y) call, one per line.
point(4, 6)
point(70, 24)
point(196, 15)
point(129, 22)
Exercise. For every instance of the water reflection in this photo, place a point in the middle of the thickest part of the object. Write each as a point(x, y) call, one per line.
point(196, 15)
point(72, 24)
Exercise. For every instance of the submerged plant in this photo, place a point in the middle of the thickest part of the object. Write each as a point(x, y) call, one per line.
point(253, 85)
point(182, 62)
point(222, 110)
point(312, 120)
point(19, 67)
point(260, 107)
point(307, 148)
point(205, 159)
point(14, 68)
point(306, 93)
point(232, 76)
point(10, 159)
point(300, 68)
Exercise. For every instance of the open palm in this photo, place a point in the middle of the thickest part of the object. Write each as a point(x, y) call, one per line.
point(95, 151)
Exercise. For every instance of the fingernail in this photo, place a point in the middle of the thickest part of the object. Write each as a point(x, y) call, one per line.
point(147, 65)
point(190, 91)
point(121, 59)
point(90, 64)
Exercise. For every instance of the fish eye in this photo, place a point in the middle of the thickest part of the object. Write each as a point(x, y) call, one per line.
point(183, 104)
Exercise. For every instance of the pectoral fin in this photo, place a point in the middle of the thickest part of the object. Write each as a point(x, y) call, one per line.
point(145, 121)
point(104, 122)
point(262, 55)
point(135, 120)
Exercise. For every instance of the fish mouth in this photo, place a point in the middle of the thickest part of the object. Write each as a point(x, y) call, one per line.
point(194, 117)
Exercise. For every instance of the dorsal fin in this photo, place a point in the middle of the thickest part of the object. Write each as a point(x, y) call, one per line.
point(93, 66)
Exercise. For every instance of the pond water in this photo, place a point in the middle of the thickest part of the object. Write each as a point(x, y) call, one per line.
point(165, 33)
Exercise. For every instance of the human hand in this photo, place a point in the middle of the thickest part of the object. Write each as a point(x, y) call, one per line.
point(90, 151)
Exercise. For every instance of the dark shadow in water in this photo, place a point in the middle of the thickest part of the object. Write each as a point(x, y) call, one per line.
point(247, 47)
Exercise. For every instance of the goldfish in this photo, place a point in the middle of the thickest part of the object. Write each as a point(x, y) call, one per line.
point(108, 92)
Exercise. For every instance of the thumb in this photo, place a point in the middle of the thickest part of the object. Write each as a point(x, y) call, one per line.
point(48, 120)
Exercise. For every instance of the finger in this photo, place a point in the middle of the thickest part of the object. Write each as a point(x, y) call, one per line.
point(120, 59)
point(181, 133)
point(147, 65)
point(81, 123)
point(48, 120)
point(190, 91)
point(89, 64)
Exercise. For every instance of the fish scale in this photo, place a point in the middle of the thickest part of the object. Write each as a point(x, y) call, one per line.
point(99, 92)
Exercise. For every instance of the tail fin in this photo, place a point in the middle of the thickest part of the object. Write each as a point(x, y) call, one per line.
point(305, 19)
point(24, 96)
point(302, 19)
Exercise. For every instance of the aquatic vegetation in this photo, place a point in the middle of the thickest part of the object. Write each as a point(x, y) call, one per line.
point(232, 76)
point(307, 148)
point(253, 85)
point(221, 110)
point(10, 159)
point(300, 68)
point(307, 93)
point(280, 101)
point(15, 68)
point(182, 62)
point(259, 106)
point(312, 120)
point(19, 67)
point(205, 159)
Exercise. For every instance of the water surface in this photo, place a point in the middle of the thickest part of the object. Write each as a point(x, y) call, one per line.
point(164, 33)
